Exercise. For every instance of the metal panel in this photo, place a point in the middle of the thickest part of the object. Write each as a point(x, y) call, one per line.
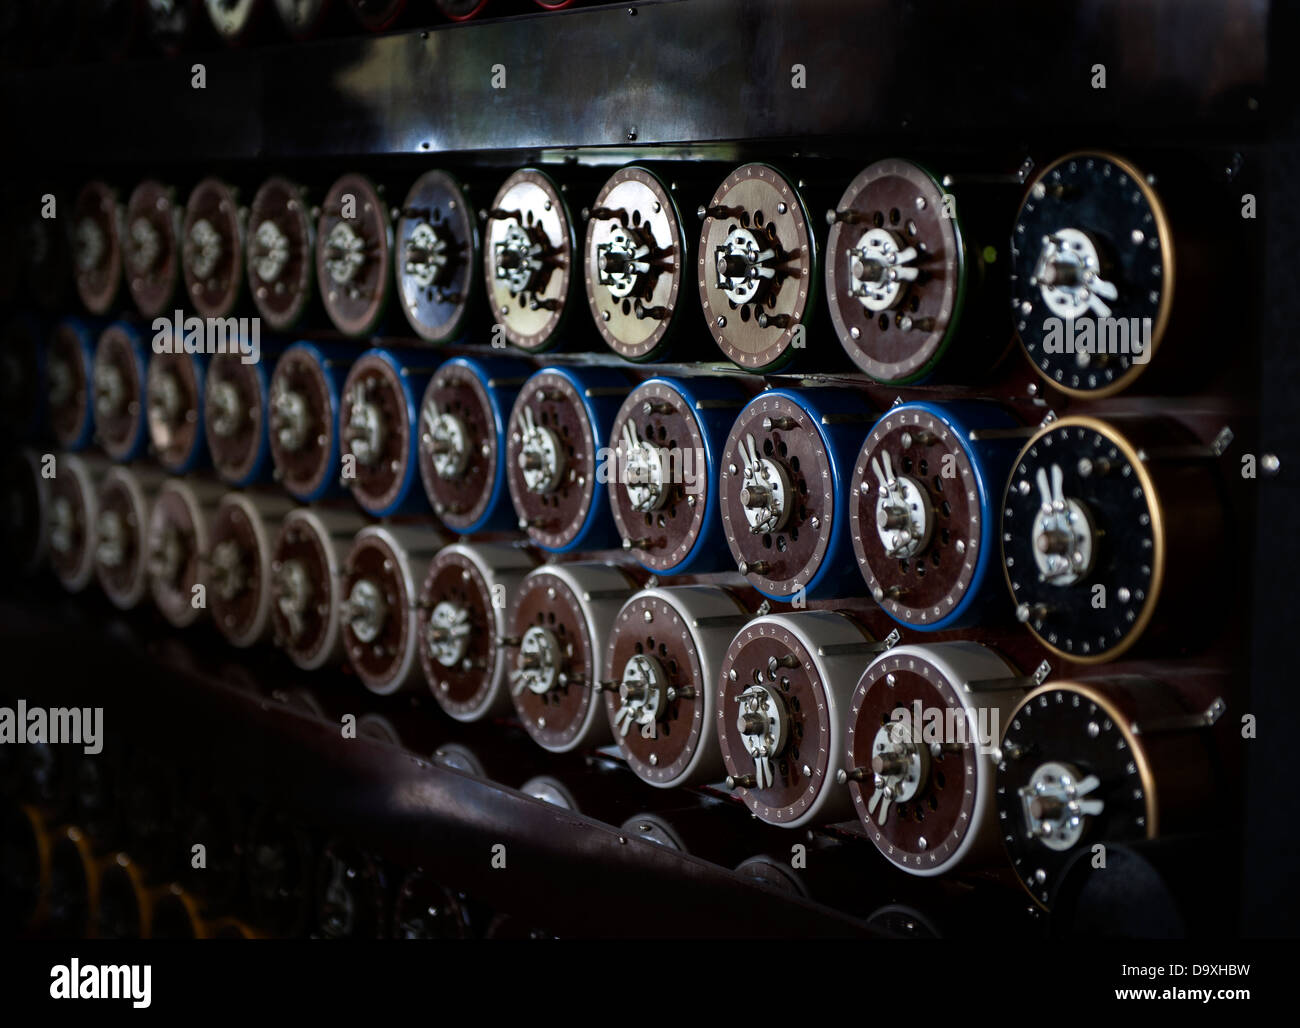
point(702, 71)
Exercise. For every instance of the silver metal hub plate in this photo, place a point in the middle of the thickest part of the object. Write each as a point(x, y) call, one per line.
point(518, 258)
point(293, 591)
point(904, 519)
point(643, 471)
point(145, 248)
point(425, 256)
point(366, 610)
point(1056, 806)
point(764, 491)
point(366, 431)
point(447, 441)
point(344, 253)
point(227, 410)
point(741, 264)
point(538, 666)
point(205, 248)
point(904, 765)
point(271, 254)
point(228, 575)
point(764, 728)
point(289, 418)
point(448, 633)
point(1063, 535)
point(1068, 275)
point(878, 267)
point(540, 458)
point(621, 262)
point(643, 695)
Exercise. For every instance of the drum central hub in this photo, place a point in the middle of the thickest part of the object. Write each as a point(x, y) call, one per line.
point(448, 633)
point(541, 458)
point(878, 268)
point(744, 265)
point(643, 692)
point(166, 398)
point(1068, 274)
point(110, 390)
point(622, 261)
point(146, 246)
point(366, 610)
point(427, 258)
point(229, 574)
point(1064, 539)
point(63, 525)
point(227, 409)
point(644, 476)
point(91, 245)
point(518, 258)
point(765, 492)
point(447, 439)
point(764, 727)
point(205, 248)
point(366, 429)
point(904, 519)
point(111, 551)
point(537, 668)
point(899, 765)
point(270, 251)
point(1056, 807)
point(293, 592)
point(345, 253)
point(167, 557)
point(289, 418)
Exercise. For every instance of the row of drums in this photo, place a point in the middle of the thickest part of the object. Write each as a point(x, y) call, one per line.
point(896, 256)
point(942, 751)
point(937, 511)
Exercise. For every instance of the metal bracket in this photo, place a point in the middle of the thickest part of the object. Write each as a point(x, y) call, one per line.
point(982, 434)
point(1215, 449)
point(1021, 682)
point(845, 649)
point(721, 621)
point(1182, 722)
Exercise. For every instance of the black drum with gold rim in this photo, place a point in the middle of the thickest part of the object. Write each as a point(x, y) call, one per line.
point(1103, 522)
point(1091, 763)
point(1092, 273)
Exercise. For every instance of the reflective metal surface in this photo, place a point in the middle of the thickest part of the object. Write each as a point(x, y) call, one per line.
point(704, 71)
